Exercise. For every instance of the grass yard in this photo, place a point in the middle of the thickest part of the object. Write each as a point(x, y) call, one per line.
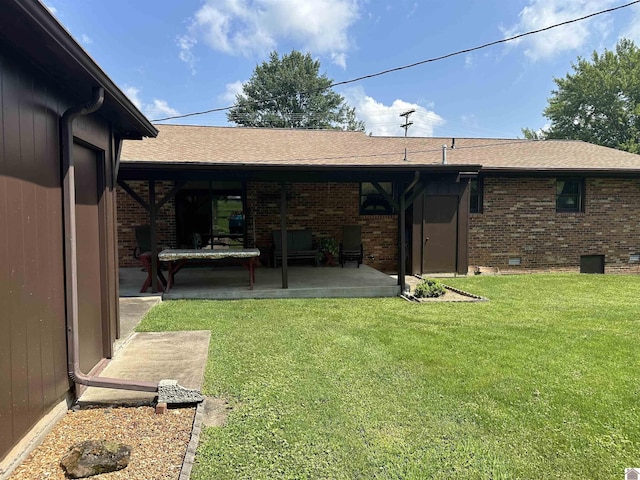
point(540, 382)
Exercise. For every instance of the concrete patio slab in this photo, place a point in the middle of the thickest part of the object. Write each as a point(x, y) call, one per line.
point(153, 356)
point(227, 283)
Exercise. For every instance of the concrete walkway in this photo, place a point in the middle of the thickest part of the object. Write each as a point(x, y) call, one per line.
point(152, 356)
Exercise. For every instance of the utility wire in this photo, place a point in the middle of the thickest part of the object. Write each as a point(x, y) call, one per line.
point(429, 60)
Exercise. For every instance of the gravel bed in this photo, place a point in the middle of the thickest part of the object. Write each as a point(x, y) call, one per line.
point(158, 442)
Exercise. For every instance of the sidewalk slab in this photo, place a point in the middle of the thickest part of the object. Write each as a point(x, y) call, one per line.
point(153, 356)
point(132, 310)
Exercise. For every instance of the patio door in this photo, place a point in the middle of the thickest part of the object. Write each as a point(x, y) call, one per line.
point(193, 216)
point(207, 211)
point(440, 234)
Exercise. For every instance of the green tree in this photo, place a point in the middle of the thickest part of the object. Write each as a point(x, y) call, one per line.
point(289, 92)
point(600, 101)
point(531, 134)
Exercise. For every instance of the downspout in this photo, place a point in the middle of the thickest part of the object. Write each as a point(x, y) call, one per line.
point(71, 264)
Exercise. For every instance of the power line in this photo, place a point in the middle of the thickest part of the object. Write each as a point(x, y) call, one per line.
point(490, 44)
point(429, 60)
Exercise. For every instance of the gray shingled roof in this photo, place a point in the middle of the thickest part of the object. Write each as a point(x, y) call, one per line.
point(178, 144)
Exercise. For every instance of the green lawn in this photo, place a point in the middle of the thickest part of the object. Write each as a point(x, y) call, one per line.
point(540, 382)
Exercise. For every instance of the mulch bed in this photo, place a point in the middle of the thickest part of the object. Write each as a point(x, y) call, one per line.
point(158, 442)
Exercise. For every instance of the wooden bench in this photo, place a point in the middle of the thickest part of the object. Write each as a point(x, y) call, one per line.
point(299, 246)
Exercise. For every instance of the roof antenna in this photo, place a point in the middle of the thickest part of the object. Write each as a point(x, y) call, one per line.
point(406, 126)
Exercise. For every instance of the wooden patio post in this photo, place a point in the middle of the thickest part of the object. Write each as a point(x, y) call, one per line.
point(154, 242)
point(283, 232)
point(403, 246)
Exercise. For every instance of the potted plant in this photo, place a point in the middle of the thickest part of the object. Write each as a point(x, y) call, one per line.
point(329, 249)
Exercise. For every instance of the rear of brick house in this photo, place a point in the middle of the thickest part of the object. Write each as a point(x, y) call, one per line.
point(532, 206)
point(519, 221)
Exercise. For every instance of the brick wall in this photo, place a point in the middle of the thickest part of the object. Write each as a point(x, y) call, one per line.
point(519, 220)
point(131, 213)
point(321, 207)
point(324, 208)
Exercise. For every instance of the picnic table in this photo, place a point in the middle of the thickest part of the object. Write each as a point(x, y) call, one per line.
point(176, 258)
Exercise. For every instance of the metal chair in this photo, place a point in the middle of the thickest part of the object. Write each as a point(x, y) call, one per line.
point(351, 246)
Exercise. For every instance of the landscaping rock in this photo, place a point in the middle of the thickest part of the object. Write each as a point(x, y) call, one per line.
point(170, 392)
point(93, 457)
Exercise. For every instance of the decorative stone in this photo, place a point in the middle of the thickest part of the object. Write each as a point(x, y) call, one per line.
point(93, 457)
point(170, 392)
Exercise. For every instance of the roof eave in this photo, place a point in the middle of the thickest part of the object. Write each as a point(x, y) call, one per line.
point(440, 168)
point(39, 14)
point(560, 171)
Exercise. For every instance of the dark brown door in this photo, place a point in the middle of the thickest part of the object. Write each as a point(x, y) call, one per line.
point(193, 215)
point(440, 234)
point(88, 166)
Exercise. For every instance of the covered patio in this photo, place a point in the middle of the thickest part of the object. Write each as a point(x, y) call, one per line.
point(191, 185)
point(232, 282)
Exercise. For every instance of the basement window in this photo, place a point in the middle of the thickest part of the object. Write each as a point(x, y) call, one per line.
point(372, 202)
point(569, 195)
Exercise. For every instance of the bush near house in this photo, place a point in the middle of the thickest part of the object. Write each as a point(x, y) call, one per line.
point(429, 288)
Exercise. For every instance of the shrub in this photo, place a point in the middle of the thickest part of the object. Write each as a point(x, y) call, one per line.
point(429, 288)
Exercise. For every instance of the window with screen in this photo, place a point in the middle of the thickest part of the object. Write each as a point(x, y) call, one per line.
point(372, 202)
point(569, 195)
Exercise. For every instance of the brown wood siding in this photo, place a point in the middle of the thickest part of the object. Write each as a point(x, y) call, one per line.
point(33, 344)
point(96, 133)
point(463, 227)
point(33, 362)
point(88, 234)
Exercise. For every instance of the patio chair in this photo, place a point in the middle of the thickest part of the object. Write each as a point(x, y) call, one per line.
point(197, 240)
point(351, 245)
point(142, 252)
point(143, 240)
point(299, 246)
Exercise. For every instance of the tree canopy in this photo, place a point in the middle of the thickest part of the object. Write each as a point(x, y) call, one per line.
point(600, 101)
point(289, 92)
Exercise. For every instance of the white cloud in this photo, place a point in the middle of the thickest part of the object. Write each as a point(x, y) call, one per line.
point(246, 27)
point(158, 108)
point(632, 32)
point(232, 89)
point(86, 39)
point(186, 43)
point(385, 120)
point(339, 59)
point(469, 60)
point(51, 8)
point(544, 13)
point(133, 94)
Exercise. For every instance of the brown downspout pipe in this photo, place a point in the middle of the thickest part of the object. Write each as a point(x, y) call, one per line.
point(71, 264)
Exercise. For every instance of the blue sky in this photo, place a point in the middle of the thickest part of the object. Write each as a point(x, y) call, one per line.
point(176, 57)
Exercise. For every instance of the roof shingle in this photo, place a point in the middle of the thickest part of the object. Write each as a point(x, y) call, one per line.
point(179, 144)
